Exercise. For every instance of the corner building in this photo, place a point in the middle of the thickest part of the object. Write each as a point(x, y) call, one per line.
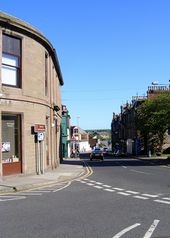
point(30, 100)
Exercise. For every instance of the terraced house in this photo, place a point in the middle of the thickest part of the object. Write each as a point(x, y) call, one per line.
point(30, 100)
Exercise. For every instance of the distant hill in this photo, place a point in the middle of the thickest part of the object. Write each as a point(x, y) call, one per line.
point(100, 133)
point(99, 130)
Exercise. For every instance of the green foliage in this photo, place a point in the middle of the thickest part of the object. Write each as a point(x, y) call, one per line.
point(153, 116)
point(100, 134)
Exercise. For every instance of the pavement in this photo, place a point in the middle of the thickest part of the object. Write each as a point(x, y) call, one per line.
point(68, 170)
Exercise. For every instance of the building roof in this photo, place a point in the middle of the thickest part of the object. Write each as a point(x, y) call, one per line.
point(15, 24)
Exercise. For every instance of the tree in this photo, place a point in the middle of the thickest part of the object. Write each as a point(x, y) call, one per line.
point(153, 118)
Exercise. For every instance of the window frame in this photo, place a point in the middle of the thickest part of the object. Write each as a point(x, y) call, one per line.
point(18, 68)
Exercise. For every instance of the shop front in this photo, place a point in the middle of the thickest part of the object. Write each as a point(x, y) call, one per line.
point(11, 144)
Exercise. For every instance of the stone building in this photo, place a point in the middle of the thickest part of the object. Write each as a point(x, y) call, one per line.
point(79, 140)
point(124, 130)
point(30, 100)
point(65, 132)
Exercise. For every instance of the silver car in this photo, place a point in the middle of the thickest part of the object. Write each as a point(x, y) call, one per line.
point(97, 153)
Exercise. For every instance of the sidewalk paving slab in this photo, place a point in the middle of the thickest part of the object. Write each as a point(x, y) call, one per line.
point(67, 171)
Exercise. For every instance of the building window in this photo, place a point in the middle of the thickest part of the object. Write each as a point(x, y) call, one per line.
point(75, 131)
point(46, 74)
point(11, 61)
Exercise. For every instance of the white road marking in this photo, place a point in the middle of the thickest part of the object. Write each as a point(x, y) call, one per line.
point(166, 198)
point(90, 184)
point(161, 201)
point(137, 171)
point(140, 197)
point(81, 174)
point(42, 191)
point(150, 195)
point(119, 189)
point(151, 229)
point(92, 181)
point(29, 194)
point(9, 198)
point(109, 190)
point(121, 233)
point(83, 181)
point(107, 186)
point(68, 184)
point(98, 187)
point(125, 194)
point(124, 167)
point(133, 192)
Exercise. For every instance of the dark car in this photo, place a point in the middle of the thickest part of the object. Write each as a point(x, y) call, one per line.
point(97, 153)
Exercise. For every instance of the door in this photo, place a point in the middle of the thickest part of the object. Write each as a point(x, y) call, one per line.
point(11, 144)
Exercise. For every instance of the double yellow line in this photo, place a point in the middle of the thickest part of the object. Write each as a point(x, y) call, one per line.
point(88, 172)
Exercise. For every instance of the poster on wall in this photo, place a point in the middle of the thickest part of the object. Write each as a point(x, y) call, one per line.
point(5, 147)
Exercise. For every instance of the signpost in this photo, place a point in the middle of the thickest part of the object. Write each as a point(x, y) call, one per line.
point(39, 130)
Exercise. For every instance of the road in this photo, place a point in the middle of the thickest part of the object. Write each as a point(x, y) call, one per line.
point(125, 198)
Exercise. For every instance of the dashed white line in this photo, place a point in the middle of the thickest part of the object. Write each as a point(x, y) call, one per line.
point(83, 181)
point(140, 197)
point(99, 183)
point(109, 190)
point(92, 181)
point(161, 201)
point(137, 171)
point(99, 187)
point(133, 192)
point(119, 189)
point(107, 186)
point(166, 198)
point(150, 195)
point(123, 193)
point(90, 184)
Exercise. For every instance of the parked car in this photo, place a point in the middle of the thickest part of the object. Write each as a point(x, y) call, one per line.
point(97, 153)
point(105, 150)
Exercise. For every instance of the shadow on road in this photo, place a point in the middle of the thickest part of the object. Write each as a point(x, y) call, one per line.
point(125, 161)
point(73, 162)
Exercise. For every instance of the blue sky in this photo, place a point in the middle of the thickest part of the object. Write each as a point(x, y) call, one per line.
point(109, 50)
